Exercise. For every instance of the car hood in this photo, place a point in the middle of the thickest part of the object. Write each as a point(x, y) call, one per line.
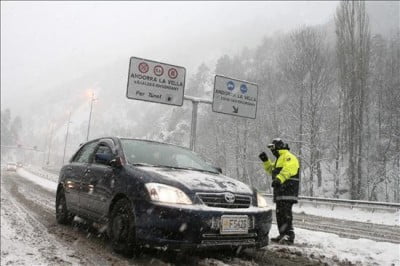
point(198, 181)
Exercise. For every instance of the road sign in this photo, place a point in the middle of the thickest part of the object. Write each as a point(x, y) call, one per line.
point(235, 97)
point(155, 82)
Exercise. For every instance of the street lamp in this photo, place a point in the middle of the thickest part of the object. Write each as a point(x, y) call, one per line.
point(50, 141)
point(66, 137)
point(92, 99)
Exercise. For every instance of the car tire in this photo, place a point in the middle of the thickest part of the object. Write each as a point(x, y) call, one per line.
point(262, 242)
point(63, 216)
point(122, 230)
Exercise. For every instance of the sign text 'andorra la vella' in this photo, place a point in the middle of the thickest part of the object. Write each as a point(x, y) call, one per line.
point(155, 82)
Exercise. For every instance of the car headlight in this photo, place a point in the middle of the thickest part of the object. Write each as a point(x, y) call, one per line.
point(261, 201)
point(167, 194)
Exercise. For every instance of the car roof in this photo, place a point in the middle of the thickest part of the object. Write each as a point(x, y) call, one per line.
point(115, 138)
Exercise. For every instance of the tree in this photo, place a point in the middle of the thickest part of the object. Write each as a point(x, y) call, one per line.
point(384, 125)
point(6, 137)
point(10, 128)
point(306, 64)
point(200, 83)
point(353, 51)
point(15, 128)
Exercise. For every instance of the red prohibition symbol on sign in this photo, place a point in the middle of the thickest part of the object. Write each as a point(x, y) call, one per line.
point(172, 73)
point(158, 70)
point(143, 67)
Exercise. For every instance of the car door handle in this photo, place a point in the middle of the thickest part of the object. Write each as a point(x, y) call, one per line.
point(87, 171)
point(69, 168)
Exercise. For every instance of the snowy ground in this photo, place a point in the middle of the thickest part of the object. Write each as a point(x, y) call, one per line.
point(360, 215)
point(25, 241)
point(363, 251)
point(29, 236)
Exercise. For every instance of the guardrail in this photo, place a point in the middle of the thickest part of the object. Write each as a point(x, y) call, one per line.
point(374, 205)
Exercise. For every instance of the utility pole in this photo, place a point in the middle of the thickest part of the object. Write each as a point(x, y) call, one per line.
point(92, 99)
point(50, 141)
point(66, 136)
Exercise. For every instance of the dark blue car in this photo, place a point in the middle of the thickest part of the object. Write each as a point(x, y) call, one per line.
point(156, 194)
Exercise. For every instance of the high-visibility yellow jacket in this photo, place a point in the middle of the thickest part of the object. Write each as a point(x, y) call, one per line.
point(287, 170)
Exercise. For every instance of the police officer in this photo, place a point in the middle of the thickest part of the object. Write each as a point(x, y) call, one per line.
point(285, 182)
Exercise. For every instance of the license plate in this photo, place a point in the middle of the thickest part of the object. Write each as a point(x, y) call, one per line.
point(234, 224)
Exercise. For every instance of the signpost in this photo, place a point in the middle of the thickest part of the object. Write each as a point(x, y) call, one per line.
point(235, 97)
point(155, 82)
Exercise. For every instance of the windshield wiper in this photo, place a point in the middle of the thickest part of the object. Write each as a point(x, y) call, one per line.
point(193, 169)
point(143, 164)
point(174, 167)
point(150, 165)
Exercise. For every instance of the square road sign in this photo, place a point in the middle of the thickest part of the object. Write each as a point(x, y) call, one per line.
point(155, 82)
point(235, 97)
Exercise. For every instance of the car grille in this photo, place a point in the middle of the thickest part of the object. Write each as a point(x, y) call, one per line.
point(232, 243)
point(218, 200)
point(228, 237)
point(225, 240)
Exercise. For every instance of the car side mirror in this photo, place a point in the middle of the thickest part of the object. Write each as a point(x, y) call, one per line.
point(116, 162)
point(103, 158)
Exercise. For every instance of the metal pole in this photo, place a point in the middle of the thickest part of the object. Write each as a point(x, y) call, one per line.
point(193, 128)
point(50, 140)
point(194, 125)
point(66, 137)
point(90, 116)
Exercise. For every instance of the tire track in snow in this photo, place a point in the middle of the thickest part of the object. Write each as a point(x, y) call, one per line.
point(29, 233)
point(42, 219)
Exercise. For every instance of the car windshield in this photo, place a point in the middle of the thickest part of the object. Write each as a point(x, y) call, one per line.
point(139, 152)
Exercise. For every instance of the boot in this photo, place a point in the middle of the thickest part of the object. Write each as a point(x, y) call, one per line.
point(286, 240)
point(276, 239)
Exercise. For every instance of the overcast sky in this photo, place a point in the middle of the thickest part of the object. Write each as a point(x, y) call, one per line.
point(47, 43)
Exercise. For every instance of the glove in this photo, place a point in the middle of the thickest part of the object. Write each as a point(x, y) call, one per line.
point(276, 183)
point(263, 157)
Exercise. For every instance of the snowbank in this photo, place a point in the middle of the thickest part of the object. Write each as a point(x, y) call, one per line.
point(335, 248)
point(357, 214)
point(45, 183)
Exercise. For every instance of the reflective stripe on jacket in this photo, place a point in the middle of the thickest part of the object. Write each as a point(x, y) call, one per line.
point(286, 170)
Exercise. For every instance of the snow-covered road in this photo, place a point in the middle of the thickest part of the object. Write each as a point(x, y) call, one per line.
point(30, 236)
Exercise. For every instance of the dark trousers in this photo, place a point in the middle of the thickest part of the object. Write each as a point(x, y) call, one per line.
point(284, 218)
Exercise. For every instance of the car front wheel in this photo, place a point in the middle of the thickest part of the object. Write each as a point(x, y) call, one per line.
point(63, 216)
point(122, 228)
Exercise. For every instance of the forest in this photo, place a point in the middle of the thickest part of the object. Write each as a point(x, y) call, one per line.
point(332, 92)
